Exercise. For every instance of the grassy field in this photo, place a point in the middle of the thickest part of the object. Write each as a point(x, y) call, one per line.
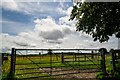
point(5, 67)
point(33, 66)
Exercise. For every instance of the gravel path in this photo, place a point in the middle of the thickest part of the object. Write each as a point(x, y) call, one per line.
point(70, 73)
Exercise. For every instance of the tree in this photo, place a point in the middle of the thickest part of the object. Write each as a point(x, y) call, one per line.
point(98, 19)
point(49, 51)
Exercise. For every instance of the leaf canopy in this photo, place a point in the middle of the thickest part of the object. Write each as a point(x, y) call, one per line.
point(98, 19)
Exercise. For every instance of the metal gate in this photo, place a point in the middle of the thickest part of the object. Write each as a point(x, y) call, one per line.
point(52, 63)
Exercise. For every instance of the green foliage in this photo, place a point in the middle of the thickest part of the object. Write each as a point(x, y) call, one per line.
point(117, 75)
point(100, 75)
point(6, 68)
point(100, 20)
point(118, 66)
point(49, 51)
point(117, 72)
point(109, 70)
point(9, 77)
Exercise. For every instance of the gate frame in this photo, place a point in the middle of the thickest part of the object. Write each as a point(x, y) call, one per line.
point(13, 58)
point(12, 64)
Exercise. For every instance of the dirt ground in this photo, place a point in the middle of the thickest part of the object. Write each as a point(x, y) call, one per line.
point(72, 73)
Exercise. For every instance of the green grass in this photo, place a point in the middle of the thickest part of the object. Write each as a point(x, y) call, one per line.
point(6, 68)
point(108, 65)
point(44, 61)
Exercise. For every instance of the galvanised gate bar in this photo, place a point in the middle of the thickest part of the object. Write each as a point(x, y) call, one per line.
point(42, 63)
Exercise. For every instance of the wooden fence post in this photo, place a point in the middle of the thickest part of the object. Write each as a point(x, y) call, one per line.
point(119, 55)
point(113, 59)
point(1, 62)
point(12, 65)
point(85, 56)
point(103, 65)
point(1, 55)
point(14, 59)
point(57, 57)
point(92, 56)
point(62, 58)
point(50, 53)
point(75, 57)
point(40, 55)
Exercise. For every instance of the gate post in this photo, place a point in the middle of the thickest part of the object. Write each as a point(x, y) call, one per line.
point(103, 65)
point(75, 57)
point(14, 59)
point(50, 53)
point(113, 59)
point(92, 56)
point(85, 56)
point(12, 64)
point(62, 57)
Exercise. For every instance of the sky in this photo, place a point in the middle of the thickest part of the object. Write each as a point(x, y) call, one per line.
point(43, 25)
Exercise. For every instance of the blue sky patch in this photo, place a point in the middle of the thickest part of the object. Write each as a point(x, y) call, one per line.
point(14, 19)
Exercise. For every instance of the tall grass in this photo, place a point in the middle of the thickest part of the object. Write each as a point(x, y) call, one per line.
point(39, 62)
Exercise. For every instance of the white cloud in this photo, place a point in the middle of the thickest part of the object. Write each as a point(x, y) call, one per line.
point(48, 29)
point(61, 10)
point(67, 12)
point(32, 8)
point(24, 7)
point(12, 5)
point(65, 19)
point(49, 34)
